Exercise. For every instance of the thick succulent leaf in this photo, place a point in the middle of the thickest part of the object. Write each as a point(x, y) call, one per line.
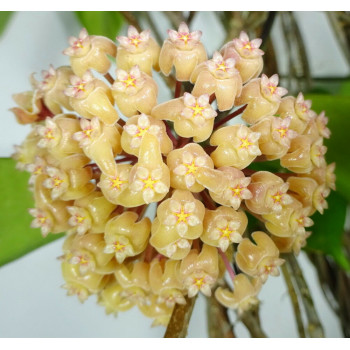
point(16, 236)
point(5, 17)
point(328, 230)
point(337, 110)
point(107, 23)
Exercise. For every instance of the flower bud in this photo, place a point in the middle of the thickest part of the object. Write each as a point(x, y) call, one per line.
point(90, 52)
point(183, 50)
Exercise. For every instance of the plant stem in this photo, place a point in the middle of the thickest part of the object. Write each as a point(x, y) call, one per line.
point(251, 320)
point(229, 117)
point(227, 264)
point(295, 302)
point(219, 325)
point(178, 87)
point(170, 134)
point(109, 78)
point(130, 18)
point(180, 319)
point(314, 328)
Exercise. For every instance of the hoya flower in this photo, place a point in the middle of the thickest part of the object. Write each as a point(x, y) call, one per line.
point(232, 189)
point(164, 283)
point(91, 97)
point(30, 107)
point(52, 87)
point(112, 300)
point(90, 213)
point(323, 175)
point(276, 136)
point(321, 123)
point(136, 127)
point(113, 185)
point(220, 77)
point(90, 52)
point(262, 96)
point(138, 49)
point(183, 50)
point(223, 227)
point(134, 91)
point(100, 142)
point(125, 237)
point(84, 260)
point(56, 135)
point(237, 146)
point(269, 193)
point(304, 155)
point(184, 164)
point(259, 259)
point(199, 271)
point(42, 220)
point(71, 180)
point(247, 54)
point(183, 213)
point(36, 168)
point(298, 109)
point(291, 244)
point(309, 193)
point(290, 221)
point(82, 285)
point(192, 117)
point(134, 278)
point(244, 295)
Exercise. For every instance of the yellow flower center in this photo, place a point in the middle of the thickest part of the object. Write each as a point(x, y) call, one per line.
point(300, 221)
point(88, 132)
point(116, 182)
point(79, 219)
point(42, 219)
point(268, 268)
point(199, 282)
point(118, 247)
point(80, 87)
point(197, 110)
point(245, 143)
point(149, 182)
point(236, 191)
point(221, 66)
point(282, 131)
point(225, 232)
point(272, 88)
point(82, 260)
point(49, 134)
point(184, 37)
point(57, 181)
point(130, 81)
point(182, 216)
point(135, 40)
point(141, 131)
point(247, 46)
point(38, 170)
point(277, 197)
point(191, 168)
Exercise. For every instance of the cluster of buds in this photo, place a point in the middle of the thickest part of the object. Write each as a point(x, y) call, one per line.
point(154, 196)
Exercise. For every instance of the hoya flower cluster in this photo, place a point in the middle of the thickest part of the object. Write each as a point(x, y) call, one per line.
point(102, 152)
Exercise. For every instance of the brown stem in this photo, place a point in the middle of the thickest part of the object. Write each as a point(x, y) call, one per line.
point(182, 141)
point(229, 117)
point(295, 302)
point(212, 98)
point(314, 328)
point(126, 158)
point(130, 18)
point(121, 122)
point(209, 203)
point(178, 87)
point(219, 325)
point(252, 321)
point(149, 253)
point(109, 78)
point(180, 319)
point(190, 17)
point(170, 134)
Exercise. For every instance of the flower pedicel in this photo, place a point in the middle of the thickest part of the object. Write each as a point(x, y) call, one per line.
point(154, 197)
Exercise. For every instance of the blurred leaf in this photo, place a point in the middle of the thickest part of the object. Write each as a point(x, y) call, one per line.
point(5, 16)
point(16, 236)
point(337, 110)
point(328, 230)
point(107, 23)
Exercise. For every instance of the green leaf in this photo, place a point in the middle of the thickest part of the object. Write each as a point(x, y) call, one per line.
point(16, 236)
point(5, 16)
point(107, 23)
point(337, 110)
point(328, 230)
